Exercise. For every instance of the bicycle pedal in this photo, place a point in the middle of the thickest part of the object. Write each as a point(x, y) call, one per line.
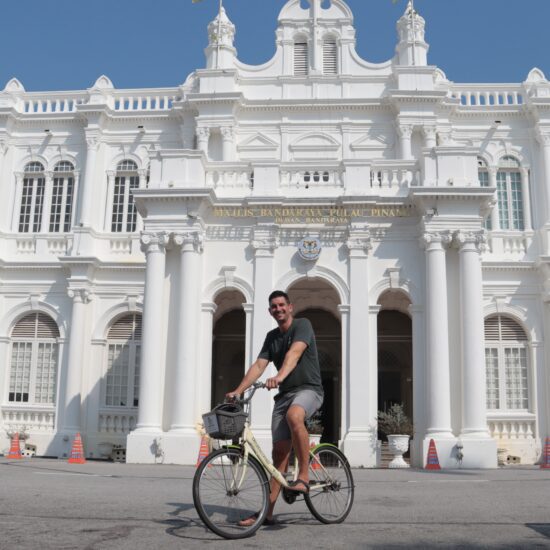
point(289, 496)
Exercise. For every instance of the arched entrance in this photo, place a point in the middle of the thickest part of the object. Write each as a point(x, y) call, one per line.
point(228, 344)
point(317, 301)
point(395, 352)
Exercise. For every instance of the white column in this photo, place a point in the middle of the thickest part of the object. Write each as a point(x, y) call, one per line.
point(142, 173)
point(227, 139)
point(203, 135)
point(248, 311)
point(419, 382)
point(264, 242)
point(111, 175)
point(47, 203)
point(360, 439)
point(405, 134)
point(151, 373)
point(76, 189)
point(89, 189)
point(183, 417)
point(474, 412)
point(438, 391)
point(205, 379)
point(495, 216)
point(71, 403)
point(429, 136)
point(544, 140)
point(19, 177)
point(346, 367)
point(525, 191)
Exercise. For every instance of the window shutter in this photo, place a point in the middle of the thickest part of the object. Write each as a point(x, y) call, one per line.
point(491, 329)
point(330, 62)
point(300, 59)
point(500, 328)
point(36, 325)
point(126, 328)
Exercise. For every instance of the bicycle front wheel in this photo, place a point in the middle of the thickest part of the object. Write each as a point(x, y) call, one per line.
point(330, 496)
point(227, 490)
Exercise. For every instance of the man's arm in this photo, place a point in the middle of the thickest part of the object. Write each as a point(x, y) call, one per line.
point(289, 364)
point(252, 374)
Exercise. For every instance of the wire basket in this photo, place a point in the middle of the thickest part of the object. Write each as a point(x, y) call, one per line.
point(225, 421)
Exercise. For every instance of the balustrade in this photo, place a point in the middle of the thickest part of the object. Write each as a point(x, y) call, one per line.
point(28, 419)
point(472, 96)
point(117, 422)
point(512, 427)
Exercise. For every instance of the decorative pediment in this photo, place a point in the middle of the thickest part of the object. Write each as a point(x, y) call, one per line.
point(372, 141)
point(103, 83)
point(258, 142)
point(535, 76)
point(315, 142)
point(14, 86)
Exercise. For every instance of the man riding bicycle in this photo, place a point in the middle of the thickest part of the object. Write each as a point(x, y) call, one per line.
point(292, 348)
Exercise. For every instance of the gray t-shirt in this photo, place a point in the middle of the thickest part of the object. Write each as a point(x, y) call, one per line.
point(307, 374)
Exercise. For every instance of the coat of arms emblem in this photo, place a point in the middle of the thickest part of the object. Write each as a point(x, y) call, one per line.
point(309, 248)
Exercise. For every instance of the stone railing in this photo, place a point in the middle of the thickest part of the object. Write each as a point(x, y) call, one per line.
point(475, 95)
point(311, 178)
point(153, 100)
point(230, 177)
point(117, 422)
point(42, 103)
point(27, 419)
point(509, 426)
point(394, 174)
point(510, 245)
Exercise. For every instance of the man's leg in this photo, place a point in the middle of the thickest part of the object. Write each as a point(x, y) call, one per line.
point(281, 455)
point(295, 417)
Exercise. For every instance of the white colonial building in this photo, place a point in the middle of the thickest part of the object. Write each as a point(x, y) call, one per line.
point(141, 232)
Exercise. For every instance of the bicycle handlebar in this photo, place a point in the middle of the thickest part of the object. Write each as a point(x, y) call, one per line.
point(252, 390)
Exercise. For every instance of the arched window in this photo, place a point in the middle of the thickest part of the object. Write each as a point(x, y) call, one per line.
point(124, 210)
point(32, 198)
point(506, 360)
point(34, 359)
point(61, 211)
point(330, 57)
point(509, 194)
point(301, 61)
point(123, 360)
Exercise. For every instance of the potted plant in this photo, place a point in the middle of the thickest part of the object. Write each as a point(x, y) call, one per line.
point(398, 428)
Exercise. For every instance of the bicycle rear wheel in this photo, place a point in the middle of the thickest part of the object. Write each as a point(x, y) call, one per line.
point(331, 492)
point(228, 490)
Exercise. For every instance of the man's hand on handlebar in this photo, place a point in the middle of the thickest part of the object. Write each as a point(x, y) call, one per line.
point(232, 396)
point(273, 383)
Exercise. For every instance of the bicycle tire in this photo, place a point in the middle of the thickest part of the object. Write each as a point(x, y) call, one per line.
point(332, 501)
point(221, 507)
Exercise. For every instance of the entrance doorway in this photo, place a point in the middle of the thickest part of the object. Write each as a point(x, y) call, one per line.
point(317, 301)
point(228, 344)
point(395, 353)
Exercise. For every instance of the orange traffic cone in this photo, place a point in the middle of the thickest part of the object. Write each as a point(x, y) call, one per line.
point(203, 451)
point(15, 451)
point(77, 451)
point(314, 459)
point(545, 462)
point(432, 462)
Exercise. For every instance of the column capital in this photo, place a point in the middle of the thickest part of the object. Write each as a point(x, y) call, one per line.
point(359, 241)
point(80, 295)
point(470, 240)
point(227, 132)
point(92, 142)
point(344, 309)
point(405, 130)
point(248, 308)
point(202, 132)
point(435, 240)
point(265, 239)
point(189, 240)
point(48, 174)
point(19, 175)
point(209, 307)
point(543, 136)
point(142, 172)
point(429, 131)
point(154, 242)
point(110, 173)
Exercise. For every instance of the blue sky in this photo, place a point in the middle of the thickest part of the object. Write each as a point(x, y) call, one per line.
point(67, 44)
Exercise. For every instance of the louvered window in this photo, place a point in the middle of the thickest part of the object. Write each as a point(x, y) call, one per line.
point(61, 210)
point(506, 360)
point(301, 62)
point(510, 195)
point(124, 214)
point(34, 360)
point(123, 361)
point(330, 59)
point(32, 198)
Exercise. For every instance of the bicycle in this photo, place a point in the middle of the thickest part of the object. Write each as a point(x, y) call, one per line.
point(232, 483)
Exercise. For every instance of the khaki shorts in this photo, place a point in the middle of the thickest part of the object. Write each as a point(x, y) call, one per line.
point(309, 400)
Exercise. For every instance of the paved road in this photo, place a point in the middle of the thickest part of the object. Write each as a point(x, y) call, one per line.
point(49, 504)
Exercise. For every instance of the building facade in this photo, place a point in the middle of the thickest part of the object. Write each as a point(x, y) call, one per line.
point(408, 217)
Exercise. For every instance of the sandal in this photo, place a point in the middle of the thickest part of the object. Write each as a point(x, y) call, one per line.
point(248, 522)
point(292, 486)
